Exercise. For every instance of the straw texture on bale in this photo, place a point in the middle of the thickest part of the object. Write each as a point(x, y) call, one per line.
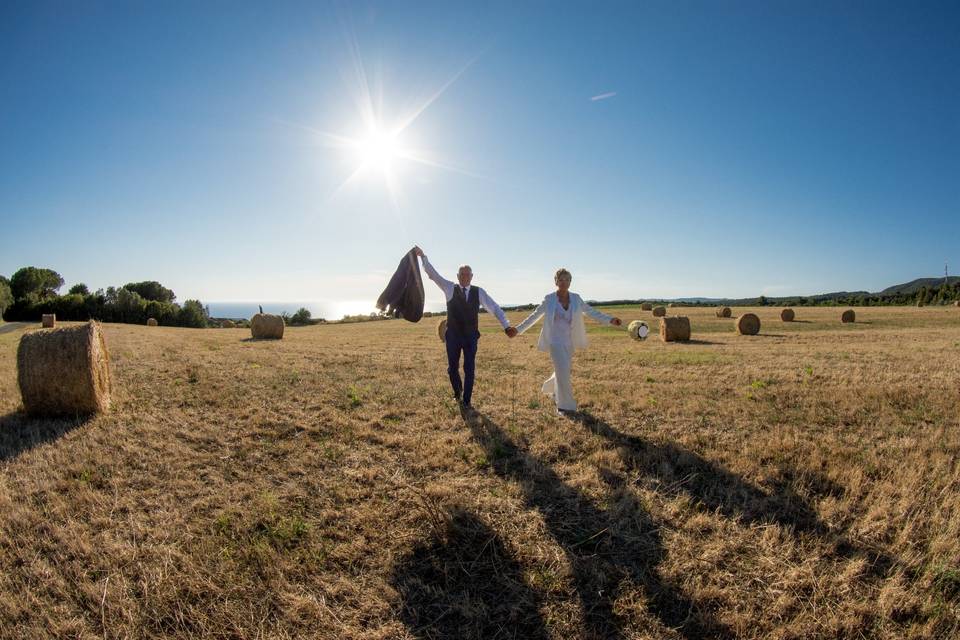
point(659, 312)
point(151, 322)
point(227, 324)
point(48, 320)
point(672, 304)
point(748, 324)
point(848, 316)
point(442, 330)
point(787, 315)
point(266, 326)
point(638, 330)
point(64, 371)
point(724, 312)
point(676, 329)
point(646, 306)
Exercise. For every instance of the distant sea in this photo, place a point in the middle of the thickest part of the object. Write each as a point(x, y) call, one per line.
point(326, 309)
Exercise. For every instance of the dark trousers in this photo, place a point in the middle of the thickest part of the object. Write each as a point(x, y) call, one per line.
point(457, 343)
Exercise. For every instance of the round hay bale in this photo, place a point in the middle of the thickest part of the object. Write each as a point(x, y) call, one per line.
point(659, 312)
point(919, 303)
point(848, 316)
point(638, 330)
point(724, 312)
point(228, 324)
point(646, 306)
point(748, 324)
point(48, 320)
point(787, 315)
point(64, 371)
point(266, 326)
point(957, 303)
point(442, 330)
point(675, 329)
point(151, 322)
point(672, 304)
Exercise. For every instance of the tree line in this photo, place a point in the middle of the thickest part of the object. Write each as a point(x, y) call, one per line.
point(33, 291)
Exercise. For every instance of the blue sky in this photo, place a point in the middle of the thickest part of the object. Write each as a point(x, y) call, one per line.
point(747, 148)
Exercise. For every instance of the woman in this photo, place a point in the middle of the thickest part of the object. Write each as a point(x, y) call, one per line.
point(562, 332)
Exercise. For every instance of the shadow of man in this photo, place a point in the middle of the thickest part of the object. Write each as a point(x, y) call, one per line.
point(605, 548)
point(466, 583)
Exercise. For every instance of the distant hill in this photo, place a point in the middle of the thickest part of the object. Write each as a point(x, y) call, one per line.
point(915, 285)
point(896, 294)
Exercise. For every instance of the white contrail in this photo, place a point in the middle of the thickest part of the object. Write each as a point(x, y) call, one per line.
point(603, 96)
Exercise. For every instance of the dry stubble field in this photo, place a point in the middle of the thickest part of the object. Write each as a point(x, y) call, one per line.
point(798, 484)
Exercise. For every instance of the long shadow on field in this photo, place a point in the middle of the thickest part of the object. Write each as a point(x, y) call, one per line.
point(681, 471)
point(467, 584)
point(605, 548)
point(20, 432)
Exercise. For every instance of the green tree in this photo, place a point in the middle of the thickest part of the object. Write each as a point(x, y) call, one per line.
point(6, 295)
point(151, 290)
point(193, 315)
point(302, 316)
point(42, 282)
point(80, 289)
point(131, 307)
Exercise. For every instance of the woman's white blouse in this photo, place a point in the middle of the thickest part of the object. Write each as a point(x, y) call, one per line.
point(562, 325)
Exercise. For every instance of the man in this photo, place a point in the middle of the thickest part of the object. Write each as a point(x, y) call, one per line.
point(463, 309)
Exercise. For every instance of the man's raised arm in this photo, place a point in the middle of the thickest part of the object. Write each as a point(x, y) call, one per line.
point(445, 285)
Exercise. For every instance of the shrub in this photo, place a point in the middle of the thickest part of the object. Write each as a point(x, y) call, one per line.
point(302, 316)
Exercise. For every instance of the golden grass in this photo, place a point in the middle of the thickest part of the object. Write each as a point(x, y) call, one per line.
point(800, 483)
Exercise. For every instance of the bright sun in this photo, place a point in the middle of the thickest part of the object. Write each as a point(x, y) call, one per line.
point(378, 150)
point(381, 153)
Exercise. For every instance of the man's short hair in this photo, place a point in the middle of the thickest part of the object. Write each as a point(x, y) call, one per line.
point(464, 266)
point(562, 272)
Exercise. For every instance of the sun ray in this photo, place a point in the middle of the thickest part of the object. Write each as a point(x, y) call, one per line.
point(409, 119)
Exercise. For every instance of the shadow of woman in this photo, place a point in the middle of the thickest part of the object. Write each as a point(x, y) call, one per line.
point(20, 432)
point(605, 548)
point(682, 471)
point(466, 583)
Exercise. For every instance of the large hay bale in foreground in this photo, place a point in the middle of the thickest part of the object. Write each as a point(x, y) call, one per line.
point(48, 320)
point(151, 322)
point(266, 326)
point(64, 371)
point(724, 312)
point(659, 312)
point(748, 324)
point(442, 330)
point(646, 306)
point(787, 315)
point(228, 324)
point(676, 329)
point(848, 316)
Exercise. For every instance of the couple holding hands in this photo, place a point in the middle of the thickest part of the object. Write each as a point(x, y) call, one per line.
point(562, 333)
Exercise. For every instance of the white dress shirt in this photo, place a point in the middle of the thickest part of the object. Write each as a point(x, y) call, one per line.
point(448, 288)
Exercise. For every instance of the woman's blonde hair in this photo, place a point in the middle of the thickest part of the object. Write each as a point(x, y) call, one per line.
point(562, 272)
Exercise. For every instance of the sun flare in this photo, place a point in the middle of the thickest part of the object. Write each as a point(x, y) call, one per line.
point(378, 150)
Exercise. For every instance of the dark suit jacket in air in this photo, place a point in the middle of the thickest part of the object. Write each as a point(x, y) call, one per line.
point(404, 294)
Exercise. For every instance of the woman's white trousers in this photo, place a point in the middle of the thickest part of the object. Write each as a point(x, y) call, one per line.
point(558, 385)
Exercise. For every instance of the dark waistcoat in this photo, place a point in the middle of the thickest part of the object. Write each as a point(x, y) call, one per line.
point(462, 313)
